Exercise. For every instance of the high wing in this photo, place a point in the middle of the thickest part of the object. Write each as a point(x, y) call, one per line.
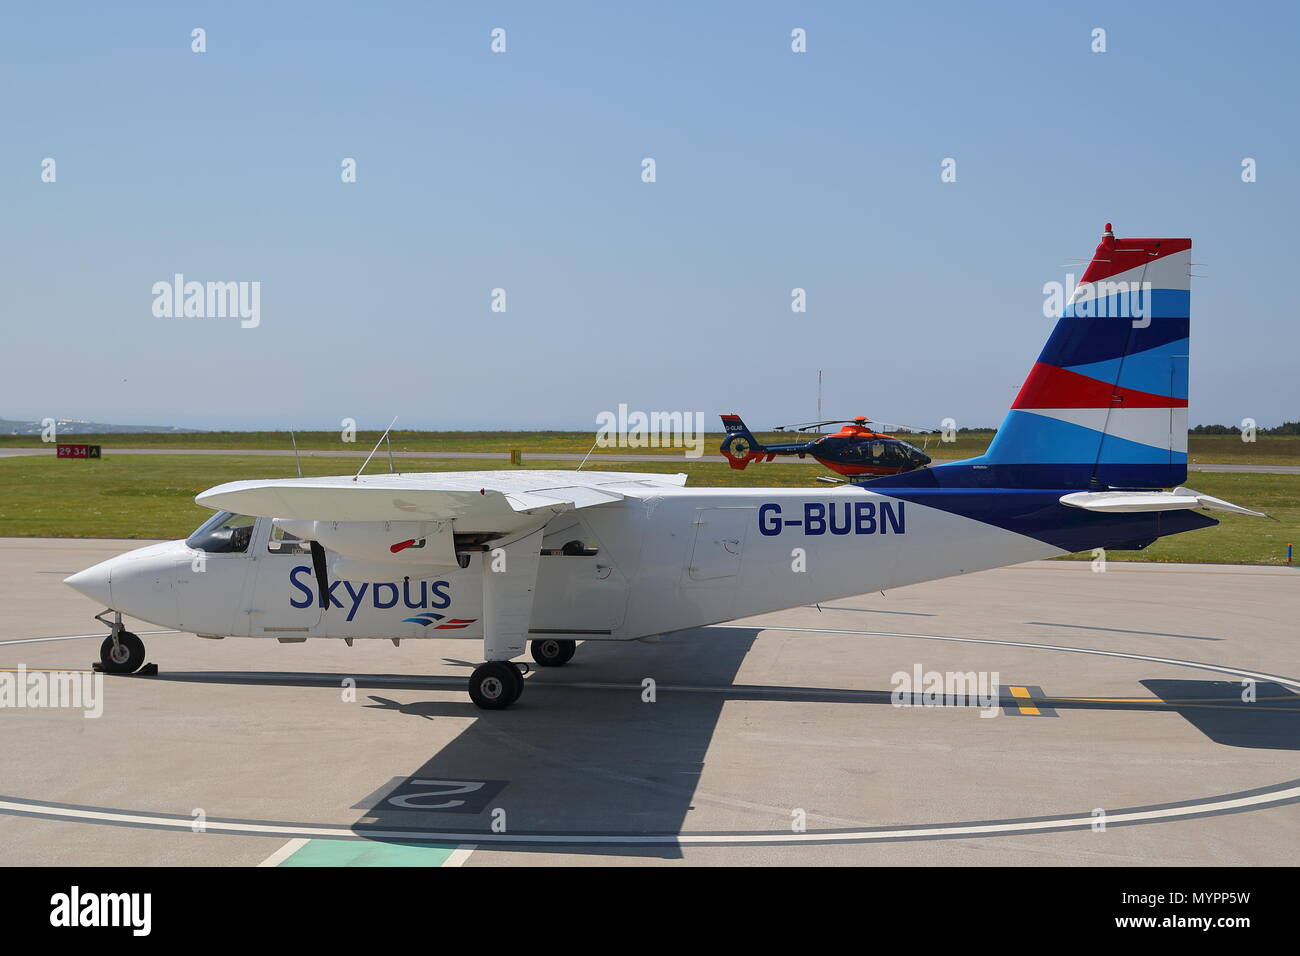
point(429, 496)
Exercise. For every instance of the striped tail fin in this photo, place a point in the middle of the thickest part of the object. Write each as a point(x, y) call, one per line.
point(1106, 402)
point(1105, 405)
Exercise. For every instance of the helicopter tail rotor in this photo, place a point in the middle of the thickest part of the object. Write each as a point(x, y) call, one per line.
point(740, 447)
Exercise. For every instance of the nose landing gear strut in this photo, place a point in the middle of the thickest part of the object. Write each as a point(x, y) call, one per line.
point(122, 652)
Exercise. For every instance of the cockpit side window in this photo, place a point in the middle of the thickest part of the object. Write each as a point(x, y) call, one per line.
point(281, 542)
point(223, 533)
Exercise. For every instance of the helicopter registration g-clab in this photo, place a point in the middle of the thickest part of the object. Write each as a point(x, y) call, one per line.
point(854, 451)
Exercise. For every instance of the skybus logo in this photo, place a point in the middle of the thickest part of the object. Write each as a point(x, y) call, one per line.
point(431, 594)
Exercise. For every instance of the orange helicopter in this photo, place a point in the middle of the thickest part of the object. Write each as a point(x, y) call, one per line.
point(854, 451)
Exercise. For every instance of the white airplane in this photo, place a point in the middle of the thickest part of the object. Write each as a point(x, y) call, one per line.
point(1098, 430)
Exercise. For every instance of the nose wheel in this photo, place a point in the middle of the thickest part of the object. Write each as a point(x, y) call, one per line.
point(495, 685)
point(123, 656)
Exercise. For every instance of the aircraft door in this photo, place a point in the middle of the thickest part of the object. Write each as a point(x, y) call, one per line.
point(211, 588)
point(282, 586)
point(719, 541)
point(579, 583)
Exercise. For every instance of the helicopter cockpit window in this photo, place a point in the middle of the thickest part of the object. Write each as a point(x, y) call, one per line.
point(223, 533)
point(281, 542)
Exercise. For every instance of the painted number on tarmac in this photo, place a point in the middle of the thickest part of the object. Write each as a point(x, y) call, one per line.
point(444, 796)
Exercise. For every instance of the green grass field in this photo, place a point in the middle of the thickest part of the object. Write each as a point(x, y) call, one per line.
point(532, 443)
point(1219, 449)
point(152, 496)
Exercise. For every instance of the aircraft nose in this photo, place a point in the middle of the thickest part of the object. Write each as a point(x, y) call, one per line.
point(93, 582)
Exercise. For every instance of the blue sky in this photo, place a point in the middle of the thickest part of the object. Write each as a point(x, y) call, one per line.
point(522, 170)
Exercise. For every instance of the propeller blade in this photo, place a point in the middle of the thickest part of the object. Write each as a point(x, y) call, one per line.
point(322, 573)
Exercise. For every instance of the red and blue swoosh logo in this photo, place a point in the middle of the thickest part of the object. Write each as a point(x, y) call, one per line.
point(448, 624)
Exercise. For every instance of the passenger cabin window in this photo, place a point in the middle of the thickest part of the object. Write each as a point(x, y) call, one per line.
point(281, 542)
point(223, 533)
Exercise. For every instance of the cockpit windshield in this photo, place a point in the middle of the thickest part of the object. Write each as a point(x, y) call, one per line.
point(223, 533)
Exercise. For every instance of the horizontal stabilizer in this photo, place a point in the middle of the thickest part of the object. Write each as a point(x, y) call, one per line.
point(1121, 502)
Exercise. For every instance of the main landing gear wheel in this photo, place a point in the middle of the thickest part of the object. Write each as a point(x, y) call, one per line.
point(495, 685)
point(550, 652)
point(124, 657)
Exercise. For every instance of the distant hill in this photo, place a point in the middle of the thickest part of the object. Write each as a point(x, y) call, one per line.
point(73, 426)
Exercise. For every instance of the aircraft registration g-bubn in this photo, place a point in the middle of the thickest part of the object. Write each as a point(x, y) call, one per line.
point(1082, 460)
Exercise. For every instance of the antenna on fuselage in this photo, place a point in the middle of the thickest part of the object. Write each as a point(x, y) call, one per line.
point(589, 451)
point(375, 449)
point(296, 460)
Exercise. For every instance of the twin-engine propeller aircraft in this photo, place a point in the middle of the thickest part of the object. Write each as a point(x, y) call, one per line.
point(1098, 430)
point(855, 450)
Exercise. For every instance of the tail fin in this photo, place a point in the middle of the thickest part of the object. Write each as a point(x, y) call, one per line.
point(739, 447)
point(1105, 405)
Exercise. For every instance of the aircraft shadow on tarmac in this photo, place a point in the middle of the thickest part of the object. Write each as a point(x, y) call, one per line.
point(1216, 708)
point(589, 760)
point(582, 753)
point(563, 759)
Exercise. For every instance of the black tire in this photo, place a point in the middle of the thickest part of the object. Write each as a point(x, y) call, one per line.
point(519, 681)
point(126, 658)
point(495, 685)
point(552, 652)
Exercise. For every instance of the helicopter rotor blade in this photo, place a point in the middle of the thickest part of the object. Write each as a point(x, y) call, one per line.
point(862, 419)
